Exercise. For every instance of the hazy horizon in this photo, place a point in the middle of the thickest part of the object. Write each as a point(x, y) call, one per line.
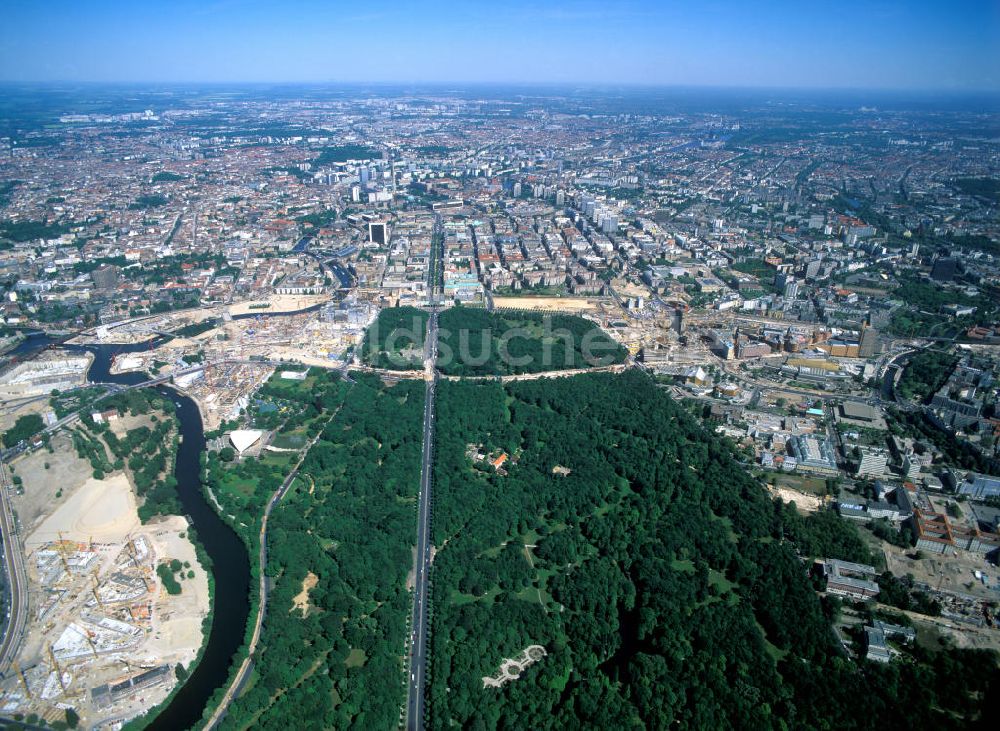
point(886, 46)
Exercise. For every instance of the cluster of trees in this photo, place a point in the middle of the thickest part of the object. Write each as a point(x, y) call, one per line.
point(901, 592)
point(343, 153)
point(351, 523)
point(320, 218)
point(758, 268)
point(925, 373)
point(925, 300)
point(665, 584)
point(166, 572)
point(147, 451)
point(6, 189)
point(25, 427)
point(958, 451)
point(293, 170)
point(982, 187)
point(20, 231)
point(396, 339)
point(158, 271)
point(884, 530)
point(474, 342)
point(165, 176)
point(195, 328)
point(148, 200)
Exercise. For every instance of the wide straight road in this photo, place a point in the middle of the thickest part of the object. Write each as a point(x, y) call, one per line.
point(16, 576)
point(416, 681)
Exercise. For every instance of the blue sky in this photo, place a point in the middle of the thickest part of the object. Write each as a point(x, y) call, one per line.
point(848, 43)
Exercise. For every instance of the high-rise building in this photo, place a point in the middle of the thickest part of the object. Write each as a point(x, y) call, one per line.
point(677, 325)
point(364, 175)
point(791, 289)
point(944, 270)
point(378, 232)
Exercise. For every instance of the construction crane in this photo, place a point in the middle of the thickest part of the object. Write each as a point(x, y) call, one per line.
point(55, 664)
point(97, 596)
point(61, 550)
point(90, 641)
point(23, 678)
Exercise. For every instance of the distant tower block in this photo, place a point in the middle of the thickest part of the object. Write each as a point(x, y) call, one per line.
point(378, 232)
point(677, 323)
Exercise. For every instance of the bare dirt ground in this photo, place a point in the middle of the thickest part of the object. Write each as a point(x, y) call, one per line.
point(12, 409)
point(301, 600)
point(177, 619)
point(627, 289)
point(803, 500)
point(66, 472)
point(945, 572)
point(982, 638)
point(102, 510)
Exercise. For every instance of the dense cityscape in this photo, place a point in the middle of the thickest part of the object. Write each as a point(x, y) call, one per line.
point(671, 361)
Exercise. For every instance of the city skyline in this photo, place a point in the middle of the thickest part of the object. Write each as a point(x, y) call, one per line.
point(890, 46)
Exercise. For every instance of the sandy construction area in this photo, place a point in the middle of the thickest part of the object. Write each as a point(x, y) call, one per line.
point(45, 488)
point(803, 500)
point(549, 304)
point(177, 630)
point(102, 510)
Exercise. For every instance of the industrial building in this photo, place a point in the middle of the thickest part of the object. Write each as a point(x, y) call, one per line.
point(855, 580)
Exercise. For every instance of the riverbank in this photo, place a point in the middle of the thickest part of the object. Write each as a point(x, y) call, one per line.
point(220, 549)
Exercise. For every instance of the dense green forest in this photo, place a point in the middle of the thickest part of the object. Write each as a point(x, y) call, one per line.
point(666, 586)
point(925, 373)
point(21, 231)
point(396, 339)
point(166, 176)
point(474, 342)
point(148, 200)
point(926, 298)
point(343, 153)
point(335, 660)
point(983, 187)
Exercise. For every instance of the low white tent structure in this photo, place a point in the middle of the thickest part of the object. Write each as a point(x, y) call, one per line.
point(243, 439)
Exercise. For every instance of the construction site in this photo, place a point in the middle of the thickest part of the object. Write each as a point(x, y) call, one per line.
point(103, 636)
point(55, 370)
point(222, 366)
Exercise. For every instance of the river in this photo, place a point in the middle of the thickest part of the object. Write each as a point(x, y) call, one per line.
point(230, 562)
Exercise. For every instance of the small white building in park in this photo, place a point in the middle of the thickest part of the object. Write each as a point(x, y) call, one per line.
point(243, 439)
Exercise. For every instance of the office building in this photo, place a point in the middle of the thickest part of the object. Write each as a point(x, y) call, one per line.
point(378, 232)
